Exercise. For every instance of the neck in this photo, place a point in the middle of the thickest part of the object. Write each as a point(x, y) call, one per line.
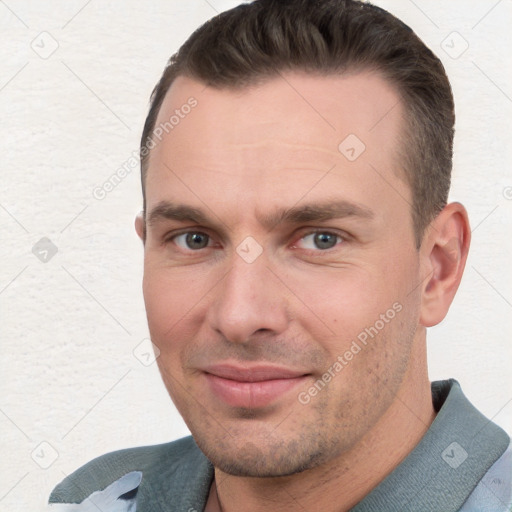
point(355, 472)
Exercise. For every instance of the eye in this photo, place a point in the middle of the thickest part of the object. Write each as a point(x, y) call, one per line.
point(321, 240)
point(192, 240)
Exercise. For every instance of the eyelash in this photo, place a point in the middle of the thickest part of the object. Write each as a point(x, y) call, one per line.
point(344, 237)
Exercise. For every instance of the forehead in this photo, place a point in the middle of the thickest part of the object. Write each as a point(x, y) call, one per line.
point(323, 106)
point(293, 135)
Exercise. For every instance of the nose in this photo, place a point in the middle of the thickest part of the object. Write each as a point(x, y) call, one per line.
point(249, 300)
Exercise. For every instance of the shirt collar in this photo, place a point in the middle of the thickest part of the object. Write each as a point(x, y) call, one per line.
point(449, 461)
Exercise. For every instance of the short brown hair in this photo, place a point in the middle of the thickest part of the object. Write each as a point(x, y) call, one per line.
point(254, 42)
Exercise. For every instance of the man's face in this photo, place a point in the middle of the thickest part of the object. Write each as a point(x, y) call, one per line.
point(303, 256)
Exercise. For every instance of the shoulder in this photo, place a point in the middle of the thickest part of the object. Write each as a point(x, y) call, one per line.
point(494, 491)
point(101, 472)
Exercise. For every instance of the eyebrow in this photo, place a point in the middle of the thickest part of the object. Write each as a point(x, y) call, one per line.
point(166, 210)
point(314, 212)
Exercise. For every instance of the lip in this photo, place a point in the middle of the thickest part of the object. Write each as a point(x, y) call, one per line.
point(251, 386)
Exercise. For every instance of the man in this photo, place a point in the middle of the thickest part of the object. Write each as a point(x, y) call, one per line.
point(296, 164)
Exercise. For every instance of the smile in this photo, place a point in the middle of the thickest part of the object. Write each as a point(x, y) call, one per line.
point(253, 387)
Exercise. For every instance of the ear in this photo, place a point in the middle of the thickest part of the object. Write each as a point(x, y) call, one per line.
point(140, 226)
point(444, 251)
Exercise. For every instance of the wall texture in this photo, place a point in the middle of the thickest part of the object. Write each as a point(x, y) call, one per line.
point(77, 379)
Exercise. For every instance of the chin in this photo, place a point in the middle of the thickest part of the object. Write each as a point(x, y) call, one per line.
point(265, 459)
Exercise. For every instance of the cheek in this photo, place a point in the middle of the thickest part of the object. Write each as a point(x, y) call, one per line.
point(345, 301)
point(171, 302)
point(358, 305)
point(169, 308)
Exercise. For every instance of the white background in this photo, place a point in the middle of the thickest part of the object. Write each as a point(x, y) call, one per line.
point(69, 377)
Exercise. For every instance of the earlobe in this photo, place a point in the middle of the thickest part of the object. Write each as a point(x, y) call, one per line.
point(140, 226)
point(445, 248)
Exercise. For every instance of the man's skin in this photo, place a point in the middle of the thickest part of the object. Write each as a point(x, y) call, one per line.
point(241, 157)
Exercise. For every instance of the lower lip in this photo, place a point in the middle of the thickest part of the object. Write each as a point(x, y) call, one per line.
point(251, 395)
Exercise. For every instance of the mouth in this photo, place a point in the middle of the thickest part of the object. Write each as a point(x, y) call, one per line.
point(251, 387)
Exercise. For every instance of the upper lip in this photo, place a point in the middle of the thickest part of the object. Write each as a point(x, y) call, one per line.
point(254, 373)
